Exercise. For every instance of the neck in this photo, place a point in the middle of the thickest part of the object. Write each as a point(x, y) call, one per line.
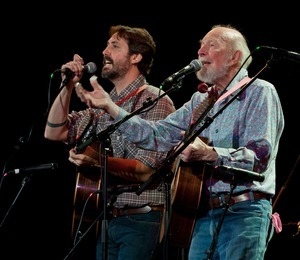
point(223, 82)
point(122, 83)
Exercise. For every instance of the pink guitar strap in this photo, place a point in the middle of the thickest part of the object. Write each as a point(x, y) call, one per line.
point(234, 88)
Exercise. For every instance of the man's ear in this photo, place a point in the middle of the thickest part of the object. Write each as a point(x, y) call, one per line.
point(236, 57)
point(136, 58)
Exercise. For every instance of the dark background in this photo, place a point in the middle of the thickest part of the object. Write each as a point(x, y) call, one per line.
point(36, 43)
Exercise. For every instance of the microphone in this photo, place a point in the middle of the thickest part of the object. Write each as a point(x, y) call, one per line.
point(241, 174)
point(194, 66)
point(285, 53)
point(89, 68)
point(38, 167)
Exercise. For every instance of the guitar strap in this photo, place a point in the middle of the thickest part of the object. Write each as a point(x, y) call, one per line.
point(135, 92)
point(234, 88)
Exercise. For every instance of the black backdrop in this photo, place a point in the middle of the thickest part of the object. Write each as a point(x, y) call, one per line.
point(36, 43)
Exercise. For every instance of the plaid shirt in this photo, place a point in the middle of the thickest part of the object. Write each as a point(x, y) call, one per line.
point(155, 193)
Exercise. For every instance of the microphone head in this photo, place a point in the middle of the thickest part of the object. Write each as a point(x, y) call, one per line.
point(196, 64)
point(90, 67)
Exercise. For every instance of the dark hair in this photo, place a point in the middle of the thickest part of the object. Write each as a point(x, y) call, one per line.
point(139, 42)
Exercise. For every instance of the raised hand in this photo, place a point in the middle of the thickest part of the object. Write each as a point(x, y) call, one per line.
point(98, 98)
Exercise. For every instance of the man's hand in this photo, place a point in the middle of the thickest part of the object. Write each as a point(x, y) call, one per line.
point(98, 98)
point(76, 66)
point(89, 157)
point(198, 150)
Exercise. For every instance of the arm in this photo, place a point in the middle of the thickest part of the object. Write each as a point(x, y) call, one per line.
point(257, 121)
point(261, 125)
point(56, 126)
point(129, 169)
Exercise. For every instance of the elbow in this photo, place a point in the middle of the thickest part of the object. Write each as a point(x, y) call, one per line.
point(49, 135)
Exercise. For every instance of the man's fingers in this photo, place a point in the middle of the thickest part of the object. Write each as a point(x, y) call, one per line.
point(94, 83)
point(78, 86)
point(79, 91)
point(77, 58)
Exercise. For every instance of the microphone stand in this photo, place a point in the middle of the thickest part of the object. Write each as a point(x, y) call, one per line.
point(103, 172)
point(213, 244)
point(82, 236)
point(24, 182)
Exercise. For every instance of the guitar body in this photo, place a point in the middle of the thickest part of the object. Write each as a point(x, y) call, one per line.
point(186, 191)
point(88, 180)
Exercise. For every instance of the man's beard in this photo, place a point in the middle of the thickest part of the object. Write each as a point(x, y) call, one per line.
point(118, 71)
point(211, 76)
point(110, 74)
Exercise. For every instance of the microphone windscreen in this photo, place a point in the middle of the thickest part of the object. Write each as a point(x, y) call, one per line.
point(196, 64)
point(91, 67)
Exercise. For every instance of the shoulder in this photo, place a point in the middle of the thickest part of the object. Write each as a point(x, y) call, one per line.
point(261, 91)
point(261, 83)
point(153, 89)
point(263, 86)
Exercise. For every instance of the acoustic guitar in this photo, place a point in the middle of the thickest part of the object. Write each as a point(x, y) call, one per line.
point(88, 197)
point(87, 194)
point(186, 189)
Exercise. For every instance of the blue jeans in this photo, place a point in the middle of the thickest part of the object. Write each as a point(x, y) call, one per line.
point(132, 237)
point(245, 232)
